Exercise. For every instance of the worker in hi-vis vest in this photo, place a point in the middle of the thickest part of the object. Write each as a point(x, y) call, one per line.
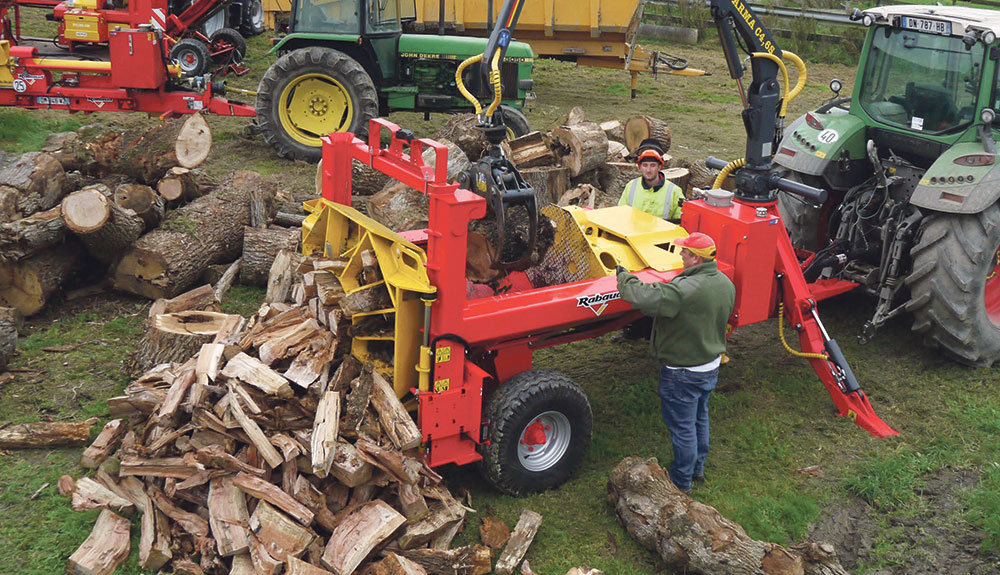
point(651, 192)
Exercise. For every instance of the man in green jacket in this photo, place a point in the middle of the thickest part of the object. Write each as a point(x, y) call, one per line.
point(689, 314)
point(651, 192)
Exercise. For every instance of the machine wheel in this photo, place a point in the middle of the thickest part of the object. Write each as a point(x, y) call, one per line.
point(800, 217)
point(252, 22)
point(539, 429)
point(192, 56)
point(213, 23)
point(309, 93)
point(955, 285)
point(222, 40)
point(515, 121)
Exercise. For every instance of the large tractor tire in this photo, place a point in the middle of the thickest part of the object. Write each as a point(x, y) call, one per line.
point(252, 18)
point(309, 93)
point(539, 429)
point(955, 285)
point(800, 216)
point(515, 121)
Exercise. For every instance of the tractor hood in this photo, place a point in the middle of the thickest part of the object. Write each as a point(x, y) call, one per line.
point(809, 149)
point(456, 48)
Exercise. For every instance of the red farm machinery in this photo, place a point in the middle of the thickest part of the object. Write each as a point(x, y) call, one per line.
point(465, 365)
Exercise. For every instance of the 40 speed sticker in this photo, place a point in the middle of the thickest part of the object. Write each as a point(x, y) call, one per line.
point(828, 136)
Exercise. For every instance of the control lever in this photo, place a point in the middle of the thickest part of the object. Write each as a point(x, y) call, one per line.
point(815, 195)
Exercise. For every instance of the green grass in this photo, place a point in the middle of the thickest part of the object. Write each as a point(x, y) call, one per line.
point(984, 507)
point(25, 131)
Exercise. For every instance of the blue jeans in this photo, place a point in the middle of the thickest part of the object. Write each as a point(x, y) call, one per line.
point(684, 403)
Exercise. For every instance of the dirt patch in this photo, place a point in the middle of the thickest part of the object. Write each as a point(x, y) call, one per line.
point(930, 538)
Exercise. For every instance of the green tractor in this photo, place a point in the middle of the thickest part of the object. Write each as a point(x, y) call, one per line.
point(346, 61)
point(910, 161)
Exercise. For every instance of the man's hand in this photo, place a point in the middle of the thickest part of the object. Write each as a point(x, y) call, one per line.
point(619, 269)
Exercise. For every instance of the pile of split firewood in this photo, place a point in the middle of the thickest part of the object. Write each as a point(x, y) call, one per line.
point(263, 447)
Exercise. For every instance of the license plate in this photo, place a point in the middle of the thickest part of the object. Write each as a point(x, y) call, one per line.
point(925, 25)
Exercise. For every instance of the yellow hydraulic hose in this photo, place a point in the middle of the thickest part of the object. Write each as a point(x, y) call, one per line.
point(721, 178)
point(495, 80)
point(784, 75)
point(461, 85)
point(800, 66)
point(781, 333)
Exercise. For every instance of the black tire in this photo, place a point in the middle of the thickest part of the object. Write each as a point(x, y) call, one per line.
point(515, 120)
point(252, 21)
point(954, 270)
point(224, 38)
point(520, 403)
point(192, 56)
point(323, 78)
point(800, 216)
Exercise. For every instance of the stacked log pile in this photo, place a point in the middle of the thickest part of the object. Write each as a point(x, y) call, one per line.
point(271, 450)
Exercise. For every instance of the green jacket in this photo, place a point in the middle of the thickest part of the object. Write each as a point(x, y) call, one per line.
point(654, 201)
point(689, 313)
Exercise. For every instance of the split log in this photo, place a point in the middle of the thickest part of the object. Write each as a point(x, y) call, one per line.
point(687, 534)
point(470, 560)
point(146, 153)
point(300, 567)
point(257, 487)
point(396, 421)
point(678, 176)
point(324, 433)
point(493, 532)
point(308, 495)
point(550, 181)
point(199, 299)
point(583, 196)
point(209, 230)
point(89, 494)
point(412, 502)
point(442, 517)
point(133, 465)
point(639, 128)
point(105, 549)
point(254, 432)
point(367, 298)
point(181, 184)
point(614, 130)
point(400, 467)
point(45, 434)
point(575, 116)
point(263, 562)
point(27, 236)
point(10, 322)
point(102, 447)
point(397, 565)
point(460, 128)
point(261, 246)
point(35, 182)
point(279, 279)
point(524, 533)
point(228, 517)
point(282, 537)
point(174, 337)
point(580, 148)
point(529, 151)
point(26, 285)
point(154, 538)
point(252, 371)
point(358, 534)
point(191, 522)
point(226, 280)
point(348, 467)
point(142, 200)
point(104, 227)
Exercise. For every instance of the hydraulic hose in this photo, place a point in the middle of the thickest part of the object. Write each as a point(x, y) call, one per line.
point(461, 85)
point(784, 75)
point(781, 334)
point(724, 173)
point(495, 81)
point(800, 66)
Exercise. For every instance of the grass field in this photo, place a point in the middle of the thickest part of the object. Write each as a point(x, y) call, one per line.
point(925, 501)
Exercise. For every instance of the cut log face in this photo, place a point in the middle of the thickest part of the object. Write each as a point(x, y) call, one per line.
point(105, 549)
point(175, 337)
point(194, 142)
point(105, 228)
point(142, 200)
point(639, 128)
point(282, 537)
point(183, 185)
point(87, 210)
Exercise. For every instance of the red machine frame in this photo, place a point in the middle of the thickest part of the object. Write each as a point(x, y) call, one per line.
point(479, 343)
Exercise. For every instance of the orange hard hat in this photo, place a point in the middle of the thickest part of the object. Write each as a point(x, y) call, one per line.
point(649, 154)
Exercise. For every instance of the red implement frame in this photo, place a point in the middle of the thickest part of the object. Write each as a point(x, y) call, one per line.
point(479, 343)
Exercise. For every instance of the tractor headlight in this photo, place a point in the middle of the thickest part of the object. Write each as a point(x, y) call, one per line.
point(989, 37)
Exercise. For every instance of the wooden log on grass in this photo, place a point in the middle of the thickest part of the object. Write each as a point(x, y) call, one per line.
point(641, 127)
point(175, 337)
point(27, 236)
point(687, 533)
point(261, 246)
point(105, 228)
point(169, 259)
point(45, 434)
point(146, 153)
point(105, 549)
point(26, 285)
point(524, 533)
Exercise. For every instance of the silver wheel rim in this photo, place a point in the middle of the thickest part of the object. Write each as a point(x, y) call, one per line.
point(215, 22)
point(540, 452)
point(256, 14)
point(186, 66)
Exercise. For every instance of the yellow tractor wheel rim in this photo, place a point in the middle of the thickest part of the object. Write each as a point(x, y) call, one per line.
point(510, 133)
point(312, 106)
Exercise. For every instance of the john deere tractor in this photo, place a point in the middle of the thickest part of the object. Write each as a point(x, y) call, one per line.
point(910, 160)
point(346, 61)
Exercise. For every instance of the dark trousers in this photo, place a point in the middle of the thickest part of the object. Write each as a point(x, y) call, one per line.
point(684, 404)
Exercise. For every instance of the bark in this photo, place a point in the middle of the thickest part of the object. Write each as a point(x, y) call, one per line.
point(181, 185)
point(146, 154)
point(471, 560)
point(35, 182)
point(174, 337)
point(520, 540)
point(614, 176)
point(27, 236)
point(701, 175)
point(694, 538)
point(581, 148)
point(70, 150)
point(262, 208)
point(199, 299)
point(142, 200)
point(614, 130)
point(260, 247)
point(550, 181)
point(168, 260)
point(639, 128)
point(27, 284)
point(105, 549)
point(105, 228)
point(460, 129)
point(45, 434)
point(10, 321)
point(289, 220)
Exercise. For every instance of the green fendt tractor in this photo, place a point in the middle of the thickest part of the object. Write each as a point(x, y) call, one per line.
point(911, 165)
point(346, 61)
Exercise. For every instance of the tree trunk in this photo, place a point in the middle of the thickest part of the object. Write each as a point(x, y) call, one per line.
point(694, 538)
point(142, 200)
point(262, 208)
point(260, 246)
point(701, 175)
point(26, 236)
point(45, 434)
point(70, 150)
point(639, 128)
point(289, 220)
point(10, 321)
point(35, 182)
point(460, 128)
point(209, 230)
point(147, 153)
point(614, 176)
point(614, 130)
point(105, 228)
point(174, 337)
point(550, 181)
point(529, 151)
point(27, 284)
point(183, 184)
point(581, 148)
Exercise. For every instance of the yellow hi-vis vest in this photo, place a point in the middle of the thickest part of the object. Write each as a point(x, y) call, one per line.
point(653, 202)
